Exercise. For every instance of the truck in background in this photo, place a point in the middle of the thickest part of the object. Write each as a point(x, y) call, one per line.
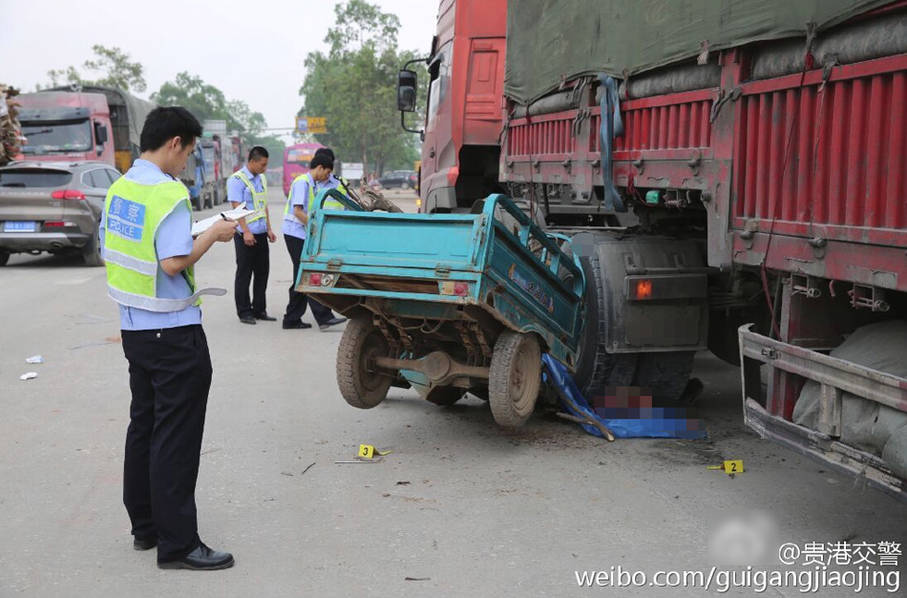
point(351, 171)
point(758, 184)
point(105, 124)
point(127, 115)
point(66, 126)
point(227, 157)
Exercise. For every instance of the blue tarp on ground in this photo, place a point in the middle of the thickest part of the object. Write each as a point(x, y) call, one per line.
point(654, 422)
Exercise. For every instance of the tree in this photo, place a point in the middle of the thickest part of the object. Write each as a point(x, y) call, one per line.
point(114, 65)
point(206, 101)
point(354, 87)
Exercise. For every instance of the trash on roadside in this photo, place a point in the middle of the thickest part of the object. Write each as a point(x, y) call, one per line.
point(729, 467)
point(35, 359)
point(28, 376)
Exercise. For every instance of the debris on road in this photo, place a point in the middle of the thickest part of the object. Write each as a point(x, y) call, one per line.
point(311, 465)
point(28, 376)
point(417, 579)
point(35, 359)
point(404, 483)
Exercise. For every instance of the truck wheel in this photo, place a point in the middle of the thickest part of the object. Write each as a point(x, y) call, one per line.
point(91, 252)
point(665, 374)
point(444, 396)
point(596, 368)
point(4, 257)
point(360, 384)
point(513, 385)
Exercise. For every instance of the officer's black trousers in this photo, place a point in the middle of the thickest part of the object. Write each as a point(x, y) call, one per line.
point(252, 264)
point(298, 301)
point(169, 374)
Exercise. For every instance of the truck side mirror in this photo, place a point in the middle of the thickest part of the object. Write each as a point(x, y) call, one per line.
point(406, 91)
point(100, 133)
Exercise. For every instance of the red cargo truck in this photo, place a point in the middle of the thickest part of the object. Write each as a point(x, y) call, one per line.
point(66, 126)
point(747, 195)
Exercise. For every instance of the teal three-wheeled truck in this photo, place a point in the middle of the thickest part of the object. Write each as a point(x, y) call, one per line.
point(445, 303)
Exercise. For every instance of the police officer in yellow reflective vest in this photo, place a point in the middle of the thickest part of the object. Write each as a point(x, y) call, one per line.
point(300, 204)
point(150, 255)
point(248, 188)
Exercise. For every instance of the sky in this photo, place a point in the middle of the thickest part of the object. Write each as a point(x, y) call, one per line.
point(252, 51)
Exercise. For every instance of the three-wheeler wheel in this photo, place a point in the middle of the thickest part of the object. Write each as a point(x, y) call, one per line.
point(361, 383)
point(514, 378)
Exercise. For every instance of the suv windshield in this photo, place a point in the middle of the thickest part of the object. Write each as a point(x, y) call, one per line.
point(34, 177)
point(50, 137)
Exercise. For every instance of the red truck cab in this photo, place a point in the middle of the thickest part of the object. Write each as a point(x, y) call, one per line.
point(66, 126)
point(463, 119)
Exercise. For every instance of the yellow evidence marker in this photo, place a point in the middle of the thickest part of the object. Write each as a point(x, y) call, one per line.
point(729, 467)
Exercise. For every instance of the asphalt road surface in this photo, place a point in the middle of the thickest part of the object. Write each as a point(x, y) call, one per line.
point(459, 508)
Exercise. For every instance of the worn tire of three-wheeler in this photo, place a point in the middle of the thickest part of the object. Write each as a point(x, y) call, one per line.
point(361, 384)
point(514, 379)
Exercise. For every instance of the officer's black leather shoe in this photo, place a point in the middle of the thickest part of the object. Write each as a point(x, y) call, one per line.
point(247, 320)
point(331, 322)
point(144, 543)
point(298, 325)
point(201, 559)
point(265, 317)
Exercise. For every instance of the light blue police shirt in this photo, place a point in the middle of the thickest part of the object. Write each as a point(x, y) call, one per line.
point(300, 193)
point(174, 238)
point(239, 193)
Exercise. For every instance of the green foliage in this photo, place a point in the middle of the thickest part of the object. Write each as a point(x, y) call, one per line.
point(354, 87)
point(114, 66)
point(206, 101)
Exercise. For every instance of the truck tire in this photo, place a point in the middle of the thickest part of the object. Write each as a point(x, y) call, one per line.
point(514, 379)
point(665, 374)
point(444, 396)
point(91, 252)
point(360, 385)
point(4, 257)
point(596, 368)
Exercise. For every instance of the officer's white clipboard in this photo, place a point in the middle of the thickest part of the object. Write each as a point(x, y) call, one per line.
point(235, 214)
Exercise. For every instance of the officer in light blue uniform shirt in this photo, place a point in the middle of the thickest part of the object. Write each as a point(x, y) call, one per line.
point(172, 240)
point(295, 222)
point(169, 362)
point(248, 188)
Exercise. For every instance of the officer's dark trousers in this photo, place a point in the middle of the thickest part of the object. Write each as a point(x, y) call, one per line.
point(169, 374)
point(251, 265)
point(298, 301)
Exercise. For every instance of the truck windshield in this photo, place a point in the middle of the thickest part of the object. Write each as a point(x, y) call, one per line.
point(51, 137)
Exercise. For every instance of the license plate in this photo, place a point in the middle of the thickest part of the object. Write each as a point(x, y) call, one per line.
point(20, 226)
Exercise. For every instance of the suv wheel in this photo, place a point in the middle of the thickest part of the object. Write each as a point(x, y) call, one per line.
point(91, 252)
